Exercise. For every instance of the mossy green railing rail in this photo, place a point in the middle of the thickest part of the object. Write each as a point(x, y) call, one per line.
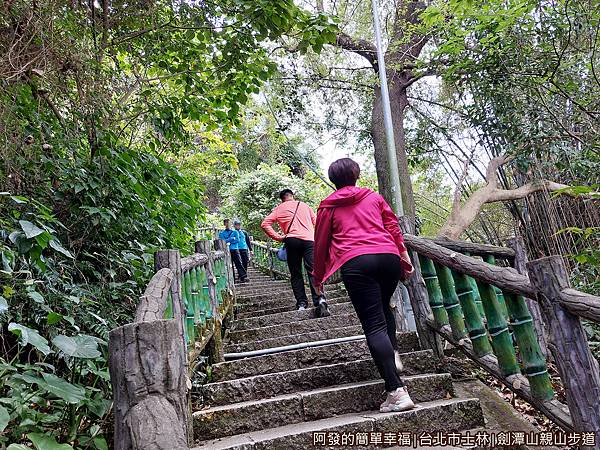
point(485, 310)
point(180, 315)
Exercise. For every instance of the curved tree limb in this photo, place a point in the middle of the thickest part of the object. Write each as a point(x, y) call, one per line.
point(462, 216)
point(361, 47)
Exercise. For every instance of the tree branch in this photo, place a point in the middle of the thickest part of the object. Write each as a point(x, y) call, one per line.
point(463, 176)
point(501, 195)
point(461, 217)
point(490, 174)
point(361, 47)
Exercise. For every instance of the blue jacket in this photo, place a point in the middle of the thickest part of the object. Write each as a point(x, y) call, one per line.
point(232, 237)
point(244, 242)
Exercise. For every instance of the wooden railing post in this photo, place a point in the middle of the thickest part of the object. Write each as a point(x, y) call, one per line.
point(568, 343)
point(171, 259)
point(146, 359)
point(420, 302)
point(397, 306)
point(149, 377)
point(520, 262)
point(215, 344)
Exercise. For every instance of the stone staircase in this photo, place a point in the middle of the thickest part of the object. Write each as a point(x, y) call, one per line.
point(280, 400)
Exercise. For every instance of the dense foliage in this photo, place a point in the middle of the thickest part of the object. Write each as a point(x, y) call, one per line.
point(113, 113)
point(523, 76)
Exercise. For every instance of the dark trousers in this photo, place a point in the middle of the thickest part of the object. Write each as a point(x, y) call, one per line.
point(236, 258)
point(299, 250)
point(370, 281)
point(245, 255)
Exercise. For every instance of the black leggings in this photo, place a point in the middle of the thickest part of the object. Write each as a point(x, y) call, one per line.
point(371, 281)
point(298, 251)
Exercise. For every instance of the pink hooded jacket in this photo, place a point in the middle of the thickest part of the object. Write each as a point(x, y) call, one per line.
point(353, 221)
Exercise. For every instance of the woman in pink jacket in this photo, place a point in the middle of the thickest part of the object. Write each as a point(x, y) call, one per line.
point(357, 231)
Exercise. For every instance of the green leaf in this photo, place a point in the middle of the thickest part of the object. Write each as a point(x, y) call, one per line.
point(100, 443)
point(432, 15)
point(3, 305)
point(99, 406)
point(4, 418)
point(30, 336)
point(53, 318)
point(36, 296)
point(18, 199)
point(59, 248)
point(63, 389)
point(81, 346)
point(18, 447)
point(47, 442)
point(30, 229)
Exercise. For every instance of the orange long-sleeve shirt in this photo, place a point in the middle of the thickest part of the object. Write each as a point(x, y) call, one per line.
point(303, 226)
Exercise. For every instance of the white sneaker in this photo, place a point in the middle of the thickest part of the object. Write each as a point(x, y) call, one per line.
point(398, 400)
point(301, 308)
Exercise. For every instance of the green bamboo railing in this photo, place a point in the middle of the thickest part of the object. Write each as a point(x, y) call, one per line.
point(265, 257)
point(436, 299)
point(458, 300)
point(200, 306)
point(475, 292)
point(460, 288)
point(473, 318)
point(450, 299)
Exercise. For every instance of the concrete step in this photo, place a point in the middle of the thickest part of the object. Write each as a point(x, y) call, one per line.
point(269, 283)
point(279, 293)
point(254, 276)
point(266, 295)
point(438, 415)
point(306, 378)
point(308, 357)
point(290, 328)
point(261, 283)
point(246, 294)
point(228, 420)
point(289, 317)
point(288, 302)
point(262, 309)
point(282, 341)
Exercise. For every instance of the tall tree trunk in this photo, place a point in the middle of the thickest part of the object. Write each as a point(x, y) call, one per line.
point(403, 50)
point(399, 101)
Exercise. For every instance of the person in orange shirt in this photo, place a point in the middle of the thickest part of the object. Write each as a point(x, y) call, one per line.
point(297, 221)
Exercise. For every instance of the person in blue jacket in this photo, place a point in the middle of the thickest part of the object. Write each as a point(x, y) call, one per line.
point(244, 244)
point(232, 237)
